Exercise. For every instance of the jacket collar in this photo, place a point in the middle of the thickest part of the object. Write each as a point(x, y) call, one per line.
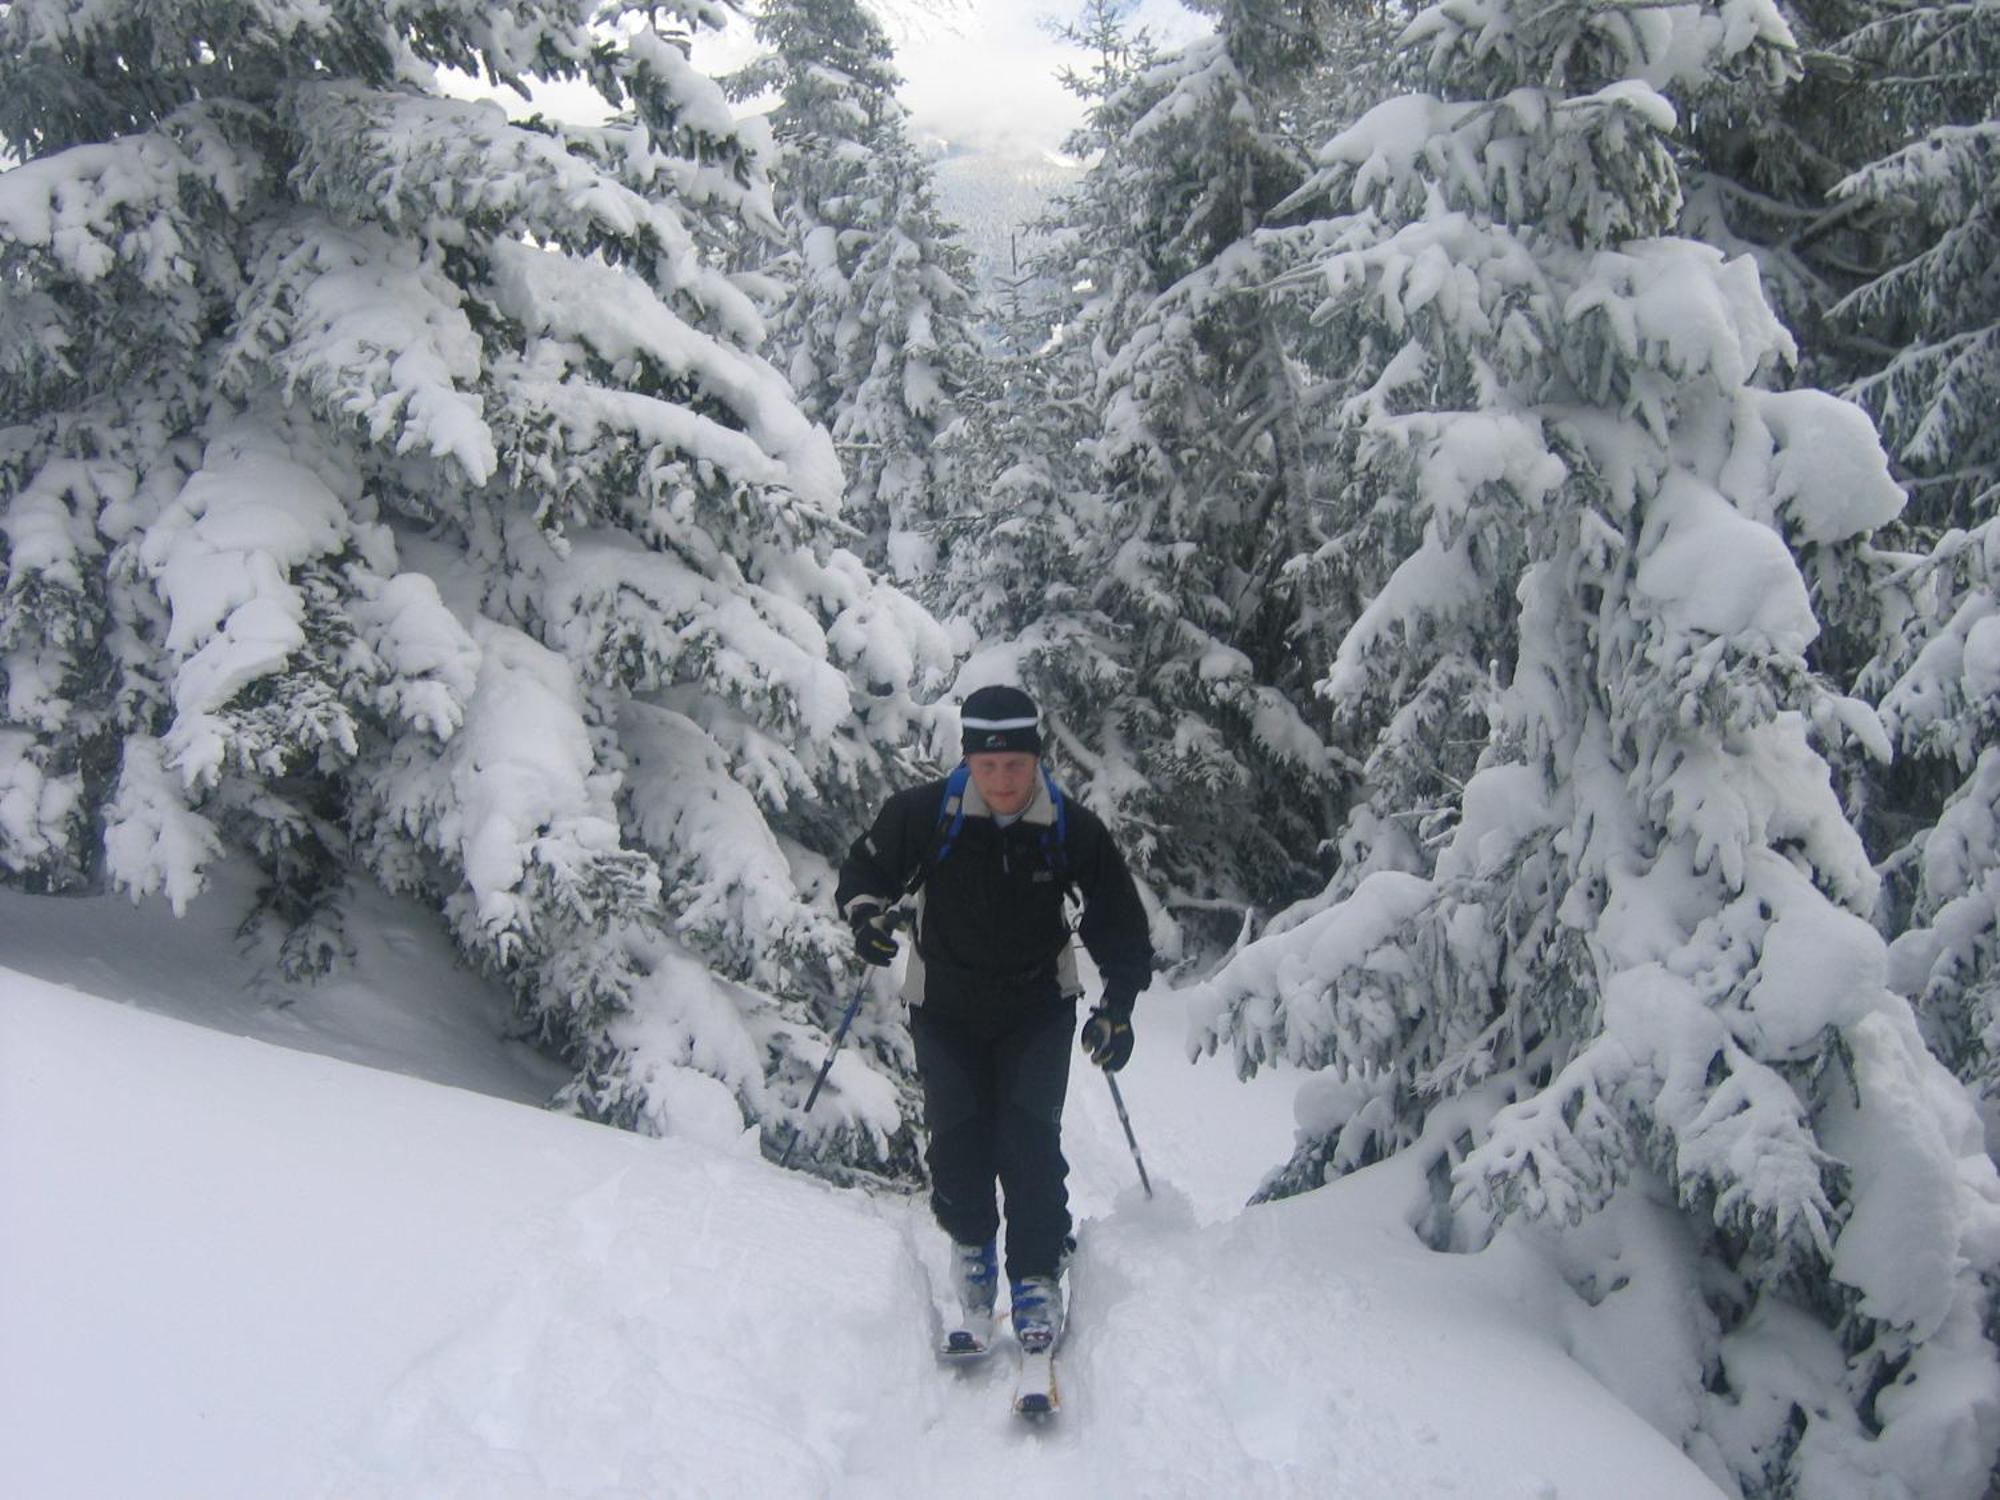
point(1039, 811)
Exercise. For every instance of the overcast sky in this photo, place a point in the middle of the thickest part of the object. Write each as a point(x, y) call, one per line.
point(986, 75)
point(981, 73)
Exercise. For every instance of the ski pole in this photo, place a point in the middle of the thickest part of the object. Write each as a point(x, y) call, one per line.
point(839, 1036)
point(891, 921)
point(1130, 1140)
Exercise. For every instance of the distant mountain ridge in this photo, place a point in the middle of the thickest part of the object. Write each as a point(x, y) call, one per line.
point(993, 196)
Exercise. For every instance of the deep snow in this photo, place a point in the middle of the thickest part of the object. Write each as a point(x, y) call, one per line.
point(235, 1269)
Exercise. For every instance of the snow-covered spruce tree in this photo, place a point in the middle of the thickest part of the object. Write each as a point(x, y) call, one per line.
point(1934, 71)
point(1620, 1001)
point(1116, 53)
point(1208, 764)
point(389, 487)
point(876, 328)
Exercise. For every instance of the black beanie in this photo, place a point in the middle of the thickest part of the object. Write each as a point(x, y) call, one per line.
point(1000, 718)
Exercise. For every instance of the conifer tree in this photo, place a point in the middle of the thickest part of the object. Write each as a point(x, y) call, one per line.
point(1203, 756)
point(394, 489)
point(1116, 53)
point(1933, 75)
point(876, 328)
point(1599, 941)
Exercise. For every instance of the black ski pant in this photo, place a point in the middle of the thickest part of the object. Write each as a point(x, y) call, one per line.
point(993, 1102)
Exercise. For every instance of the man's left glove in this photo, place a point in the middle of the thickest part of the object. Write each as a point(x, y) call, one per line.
point(1107, 1033)
point(875, 933)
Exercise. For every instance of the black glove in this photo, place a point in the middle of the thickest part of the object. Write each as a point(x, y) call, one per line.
point(874, 934)
point(1107, 1034)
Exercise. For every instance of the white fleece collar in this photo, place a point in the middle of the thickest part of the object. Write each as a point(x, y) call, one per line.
point(1040, 810)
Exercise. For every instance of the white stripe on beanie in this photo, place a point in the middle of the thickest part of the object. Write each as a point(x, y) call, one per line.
point(1000, 723)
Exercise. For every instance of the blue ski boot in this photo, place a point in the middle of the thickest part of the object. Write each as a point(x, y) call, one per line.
point(975, 1273)
point(1037, 1312)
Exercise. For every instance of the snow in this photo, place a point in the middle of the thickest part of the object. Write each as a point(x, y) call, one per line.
point(1685, 309)
point(242, 524)
point(382, 337)
point(75, 203)
point(222, 557)
point(34, 806)
point(1319, 971)
point(43, 536)
point(233, 1268)
point(278, 1273)
point(517, 790)
point(1710, 572)
point(615, 313)
point(1982, 657)
point(154, 843)
point(433, 662)
point(1829, 475)
point(1902, 1245)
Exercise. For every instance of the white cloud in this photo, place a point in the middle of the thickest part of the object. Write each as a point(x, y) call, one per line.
point(991, 83)
point(982, 73)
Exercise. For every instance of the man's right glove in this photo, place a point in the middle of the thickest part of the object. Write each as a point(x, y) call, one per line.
point(874, 933)
point(1107, 1036)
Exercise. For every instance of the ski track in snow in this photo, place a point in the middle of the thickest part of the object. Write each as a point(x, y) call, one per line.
point(576, 1378)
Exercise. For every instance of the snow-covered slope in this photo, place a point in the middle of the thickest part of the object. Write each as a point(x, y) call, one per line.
point(229, 1269)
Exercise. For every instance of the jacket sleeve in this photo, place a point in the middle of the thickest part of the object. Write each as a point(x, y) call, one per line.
point(879, 864)
point(1114, 928)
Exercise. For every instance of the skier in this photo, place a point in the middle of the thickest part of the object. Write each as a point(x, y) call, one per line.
point(990, 854)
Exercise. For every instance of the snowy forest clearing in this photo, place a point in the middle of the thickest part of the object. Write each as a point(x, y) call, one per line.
point(246, 1271)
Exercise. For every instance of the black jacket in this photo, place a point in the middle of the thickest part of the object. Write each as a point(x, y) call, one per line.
point(991, 929)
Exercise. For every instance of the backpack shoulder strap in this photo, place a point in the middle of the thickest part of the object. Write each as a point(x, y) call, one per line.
point(1055, 839)
point(951, 812)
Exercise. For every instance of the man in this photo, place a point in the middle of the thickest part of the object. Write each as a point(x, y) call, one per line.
point(991, 853)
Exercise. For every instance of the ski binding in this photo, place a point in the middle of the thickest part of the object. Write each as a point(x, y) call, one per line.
point(962, 1345)
point(968, 1343)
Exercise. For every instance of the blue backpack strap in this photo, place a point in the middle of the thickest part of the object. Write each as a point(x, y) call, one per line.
point(951, 810)
point(1055, 839)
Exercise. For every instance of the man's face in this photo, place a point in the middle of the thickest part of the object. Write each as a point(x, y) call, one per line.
point(1005, 778)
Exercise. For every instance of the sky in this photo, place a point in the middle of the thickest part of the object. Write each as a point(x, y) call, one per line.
point(981, 74)
point(984, 73)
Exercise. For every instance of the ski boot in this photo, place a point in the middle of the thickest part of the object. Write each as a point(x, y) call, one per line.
point(1037, 1312)
point(975, 1272)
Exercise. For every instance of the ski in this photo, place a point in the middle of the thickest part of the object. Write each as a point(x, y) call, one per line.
point(1036, 1396)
